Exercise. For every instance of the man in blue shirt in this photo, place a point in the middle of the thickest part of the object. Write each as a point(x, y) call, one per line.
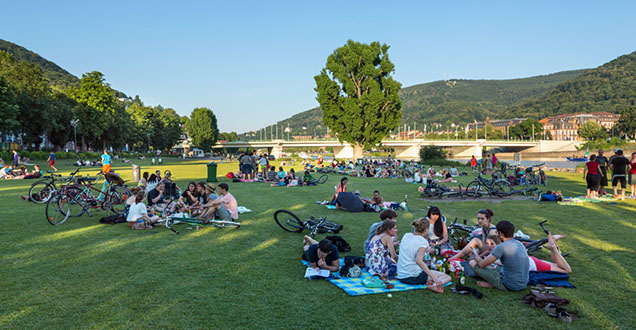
point(515, 270)
point(105, 162)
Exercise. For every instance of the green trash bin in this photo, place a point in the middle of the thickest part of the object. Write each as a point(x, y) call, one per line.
point(211, 172)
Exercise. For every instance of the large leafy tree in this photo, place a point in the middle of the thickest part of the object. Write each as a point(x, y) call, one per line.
point(627, 122)
point(592, 130)
point(202, 128)
point(524, 129)
point(8, 108)
point(97, 113)
point(358, 95)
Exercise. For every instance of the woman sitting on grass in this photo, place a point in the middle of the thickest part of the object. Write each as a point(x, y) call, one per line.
point(437, 231)
point(380, 255)
point(138, 214)
point(189, 200)
point(478, 238)
point(143, 181)
point(36, 173)
point(411, 268)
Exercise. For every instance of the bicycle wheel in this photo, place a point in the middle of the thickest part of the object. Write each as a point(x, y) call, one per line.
point(58, 210)
point(288, 221)
point(322, 179)
point(76, 199)
point(40, 192)
point(116, 199)
point(501, 189)
point(473, 189)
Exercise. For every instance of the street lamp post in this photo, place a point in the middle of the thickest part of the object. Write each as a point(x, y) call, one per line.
point(74, 123)
point(148, 135)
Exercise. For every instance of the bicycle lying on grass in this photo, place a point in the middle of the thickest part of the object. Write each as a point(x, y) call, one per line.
point(321, 179)
point(435, 189)
point(291, 223)
point(168, 220)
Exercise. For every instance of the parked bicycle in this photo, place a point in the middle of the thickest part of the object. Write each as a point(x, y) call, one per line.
point(482, 186)
point(291, 223)
point(74, 200)
point(458, 233)
point(41, 191)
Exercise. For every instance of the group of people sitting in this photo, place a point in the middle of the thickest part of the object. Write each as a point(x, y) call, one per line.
point(201, 200)
point(492, 251)
point(443, 175)
point(18, 173)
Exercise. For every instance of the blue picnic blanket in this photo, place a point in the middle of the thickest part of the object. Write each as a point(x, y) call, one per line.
point(353, 285)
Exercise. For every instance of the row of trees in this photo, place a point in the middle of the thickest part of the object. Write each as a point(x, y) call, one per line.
point(31, 108)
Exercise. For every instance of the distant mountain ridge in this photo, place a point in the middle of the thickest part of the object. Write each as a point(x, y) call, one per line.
point(53, 72)
point(449, 102)
point(57, 76)
point(610, 87)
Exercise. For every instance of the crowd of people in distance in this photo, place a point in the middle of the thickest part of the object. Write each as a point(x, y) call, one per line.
point(491, 253)
point(623, 171)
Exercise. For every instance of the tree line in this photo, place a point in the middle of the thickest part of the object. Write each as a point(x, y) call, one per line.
point(32, 108)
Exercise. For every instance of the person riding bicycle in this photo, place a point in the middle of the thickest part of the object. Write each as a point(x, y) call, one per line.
point(323, 254)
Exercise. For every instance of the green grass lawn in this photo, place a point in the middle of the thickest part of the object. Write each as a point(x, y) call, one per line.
point(83, 274)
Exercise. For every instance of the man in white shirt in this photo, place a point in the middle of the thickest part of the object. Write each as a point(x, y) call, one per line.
point(225, 207)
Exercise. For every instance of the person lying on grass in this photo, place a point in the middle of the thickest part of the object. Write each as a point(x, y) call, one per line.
point(477, 239)
point(387, 214)
point(514, 272)
point(223, 208)
point(381, 257)
point(411, 268)
point(321, 255)
point(375, 200)
point(557, 263)
point(437, 232)
point(138, 214)
point(36, 173)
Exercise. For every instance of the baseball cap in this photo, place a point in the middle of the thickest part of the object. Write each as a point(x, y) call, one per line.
point(617, 150)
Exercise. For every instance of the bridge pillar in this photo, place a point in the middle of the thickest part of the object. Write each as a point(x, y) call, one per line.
point(276, 151)
point(343, 152)
point(474, 150)
point(407, 152)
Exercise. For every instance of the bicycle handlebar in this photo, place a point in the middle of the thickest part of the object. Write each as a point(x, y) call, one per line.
point(543, 227)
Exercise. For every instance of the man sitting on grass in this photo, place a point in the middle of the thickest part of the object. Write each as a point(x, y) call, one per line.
point(323, 255)
point(225, 207)
point(375, 200)
point(514, 273)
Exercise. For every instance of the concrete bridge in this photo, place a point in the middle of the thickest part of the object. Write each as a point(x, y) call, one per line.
point(409, 149)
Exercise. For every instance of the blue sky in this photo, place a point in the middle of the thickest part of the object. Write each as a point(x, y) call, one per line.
point(253, 62)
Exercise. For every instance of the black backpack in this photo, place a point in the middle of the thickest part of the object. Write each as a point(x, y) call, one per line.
point(340, 243)
point(113, 219)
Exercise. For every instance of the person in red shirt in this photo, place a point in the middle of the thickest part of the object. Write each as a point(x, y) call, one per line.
point(593, 177)
point(632, 175)
point(473, 163)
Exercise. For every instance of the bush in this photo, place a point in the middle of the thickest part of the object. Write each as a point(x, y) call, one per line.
point(428, 153)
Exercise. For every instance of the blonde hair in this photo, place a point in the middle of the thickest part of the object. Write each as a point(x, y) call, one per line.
point(420, 225)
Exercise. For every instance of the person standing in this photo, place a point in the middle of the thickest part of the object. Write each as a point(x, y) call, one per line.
point(16, 158)
point(473, 163)
point(592, 177)
point(618, 165)
point(602, 161)
point(105, 162)
point(494, 161)
point(632, 175)
point(51, 161)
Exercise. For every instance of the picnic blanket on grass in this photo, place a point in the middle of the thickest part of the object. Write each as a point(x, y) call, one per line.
point(578, 201)
point(353, 285)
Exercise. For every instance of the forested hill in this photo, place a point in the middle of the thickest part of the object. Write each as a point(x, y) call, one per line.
point(55, 74)
point(611, 87)
point(455, 101)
